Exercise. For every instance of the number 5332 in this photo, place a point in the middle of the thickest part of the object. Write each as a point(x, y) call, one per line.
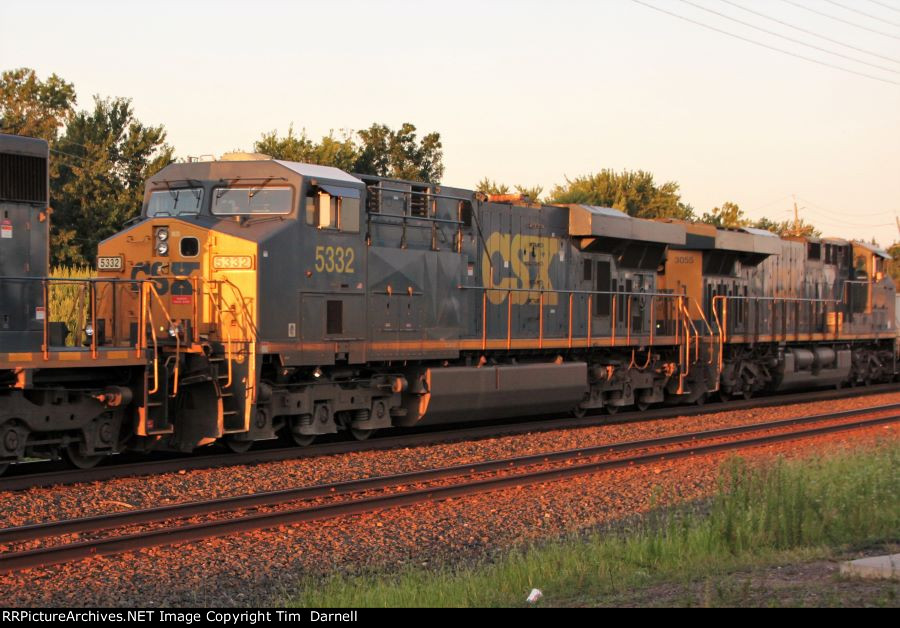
point(334, 259)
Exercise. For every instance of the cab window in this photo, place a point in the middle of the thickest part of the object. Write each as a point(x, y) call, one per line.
point(175, 201)
point(332, 207)
point(242, 201)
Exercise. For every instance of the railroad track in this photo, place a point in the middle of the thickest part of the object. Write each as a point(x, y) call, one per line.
point(18, 478)
point(354, 497)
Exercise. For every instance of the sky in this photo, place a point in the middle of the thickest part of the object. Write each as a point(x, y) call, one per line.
point(521, 92)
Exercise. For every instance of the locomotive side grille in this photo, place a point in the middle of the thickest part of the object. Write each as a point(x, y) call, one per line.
point(23, 178)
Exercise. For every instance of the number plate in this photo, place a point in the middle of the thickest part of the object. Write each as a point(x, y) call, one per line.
point(110, 263)
point(233, 262)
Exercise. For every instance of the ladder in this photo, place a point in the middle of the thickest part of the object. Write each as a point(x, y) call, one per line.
point(234, 367)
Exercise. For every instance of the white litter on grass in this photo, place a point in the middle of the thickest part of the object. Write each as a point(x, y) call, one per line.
point(534, 596)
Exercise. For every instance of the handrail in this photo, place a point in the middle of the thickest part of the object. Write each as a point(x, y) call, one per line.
point(687, 335)
point(590, 294)
point(712, 334)
point(177, 336)
point(91, 294)
point(155, 346)
point(722, 324)
point(248, 318)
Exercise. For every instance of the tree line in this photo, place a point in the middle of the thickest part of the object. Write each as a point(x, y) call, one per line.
point(102, 155)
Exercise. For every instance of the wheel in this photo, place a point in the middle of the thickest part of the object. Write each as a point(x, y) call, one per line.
point(701, 400)
point(612, 409)
point(579, 412)
point(73, 454)
point(642, 406)
point(238, 446)
point(302, 440)
point(4, 467)
point(359, 434)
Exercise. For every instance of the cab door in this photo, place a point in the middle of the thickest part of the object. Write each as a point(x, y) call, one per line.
point(332, 301)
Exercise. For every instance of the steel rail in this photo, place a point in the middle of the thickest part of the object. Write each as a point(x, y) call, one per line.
point(417, 436)
point(221, 527)
point(273, 498)
point(381, 443)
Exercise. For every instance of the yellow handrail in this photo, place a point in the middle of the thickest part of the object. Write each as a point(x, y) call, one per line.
point(155, 346)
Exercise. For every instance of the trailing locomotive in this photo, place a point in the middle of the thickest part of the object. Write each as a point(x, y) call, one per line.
point(301, 298)
point(259, 297)
point(61, 392)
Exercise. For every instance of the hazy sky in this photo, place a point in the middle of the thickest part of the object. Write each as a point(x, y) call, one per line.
point(522, 92)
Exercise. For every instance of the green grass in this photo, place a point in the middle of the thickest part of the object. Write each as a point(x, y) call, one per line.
point(69, 302)
point(791, 511)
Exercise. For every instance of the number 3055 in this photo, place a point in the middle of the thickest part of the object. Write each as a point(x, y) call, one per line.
point(334, 259)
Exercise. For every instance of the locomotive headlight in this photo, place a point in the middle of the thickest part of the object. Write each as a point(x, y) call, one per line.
point(174, 331)
point(89, 329)
point(162, 248)
point(162, 234)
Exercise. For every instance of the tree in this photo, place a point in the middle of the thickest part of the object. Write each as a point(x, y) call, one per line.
point(728, 216)
point(105, 156)
point(894, 266)
point(340, 152)
point(29, 106)
point(489, 186)
point(397, 154)
point(788, 228)
point(378, 150)
point(635, 193)
point(533, 193)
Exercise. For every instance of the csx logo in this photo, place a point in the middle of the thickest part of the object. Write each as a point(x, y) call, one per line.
point(178, 286)
point(524, 264)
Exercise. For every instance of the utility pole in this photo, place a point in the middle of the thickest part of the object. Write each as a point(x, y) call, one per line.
point(797, 216)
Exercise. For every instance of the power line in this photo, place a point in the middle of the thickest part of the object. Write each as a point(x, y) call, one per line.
point(845, 213)
point(885, 5)
point(790, 39)
point(809, 32)
point(838, 19)
point(868, 15)
point(758, 43)
point(829, 220)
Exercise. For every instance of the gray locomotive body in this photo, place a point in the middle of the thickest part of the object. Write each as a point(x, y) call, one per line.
point(24, 240)
point(60, 393)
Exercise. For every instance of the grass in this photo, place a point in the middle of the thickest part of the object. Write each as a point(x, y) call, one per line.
point(69, 302)
point(789, 511)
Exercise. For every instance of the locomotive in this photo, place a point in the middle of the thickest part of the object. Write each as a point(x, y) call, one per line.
point(256, 297)
point(58, 395)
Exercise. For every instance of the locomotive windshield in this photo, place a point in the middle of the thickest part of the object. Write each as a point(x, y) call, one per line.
point(238, 201)
point(175, 202)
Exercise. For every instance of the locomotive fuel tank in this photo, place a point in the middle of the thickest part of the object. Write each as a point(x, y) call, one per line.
point(816, 366)
point(444, 395)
